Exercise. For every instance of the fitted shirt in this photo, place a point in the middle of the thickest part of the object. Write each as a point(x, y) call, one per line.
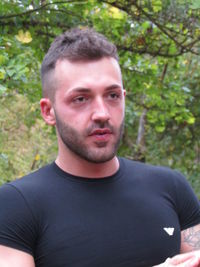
point(133, 218)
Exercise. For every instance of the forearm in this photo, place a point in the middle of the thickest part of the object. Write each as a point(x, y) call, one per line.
point(10, 257)
point(183, 260)
point(190, 239)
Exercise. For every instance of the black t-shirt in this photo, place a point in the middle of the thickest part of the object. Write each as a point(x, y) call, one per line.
point(130, 219)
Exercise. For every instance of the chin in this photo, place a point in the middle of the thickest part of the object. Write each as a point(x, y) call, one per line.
point(100, 158)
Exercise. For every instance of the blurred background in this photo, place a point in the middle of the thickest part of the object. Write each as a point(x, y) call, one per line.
point(159, 49)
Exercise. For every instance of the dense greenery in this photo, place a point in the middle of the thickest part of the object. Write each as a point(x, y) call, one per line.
point(159, 48)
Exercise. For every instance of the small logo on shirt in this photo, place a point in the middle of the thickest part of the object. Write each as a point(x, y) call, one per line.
point(169, 230)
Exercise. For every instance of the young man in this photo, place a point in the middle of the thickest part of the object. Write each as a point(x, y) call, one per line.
point(90, 208)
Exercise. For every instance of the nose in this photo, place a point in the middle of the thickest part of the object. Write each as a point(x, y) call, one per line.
point(100, 111)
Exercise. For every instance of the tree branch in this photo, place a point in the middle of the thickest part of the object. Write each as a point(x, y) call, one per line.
point(28, 12)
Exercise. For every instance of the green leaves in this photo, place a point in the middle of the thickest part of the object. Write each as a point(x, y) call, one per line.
point(18, 66)
point(158, 43)
point(2, 89)
point(194, 4)
point(157, 5)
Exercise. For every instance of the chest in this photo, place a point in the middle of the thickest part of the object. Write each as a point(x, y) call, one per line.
point(108, 229)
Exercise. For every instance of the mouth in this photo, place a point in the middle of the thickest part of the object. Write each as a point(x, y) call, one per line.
point(101, 134)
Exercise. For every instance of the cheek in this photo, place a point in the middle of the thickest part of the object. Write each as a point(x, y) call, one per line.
point(80, 115)
point(118, 114)
point(78, 121)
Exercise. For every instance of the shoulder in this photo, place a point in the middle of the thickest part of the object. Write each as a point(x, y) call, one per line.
point(26, 191)
point(148, 170)
point(159, 178)
point(165, 182)
point(33, 179)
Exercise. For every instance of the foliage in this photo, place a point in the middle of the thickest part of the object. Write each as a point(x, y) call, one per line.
point(24, 146)
point(158, 43)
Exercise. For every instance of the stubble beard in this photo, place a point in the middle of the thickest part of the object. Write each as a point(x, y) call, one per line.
point(75, 141)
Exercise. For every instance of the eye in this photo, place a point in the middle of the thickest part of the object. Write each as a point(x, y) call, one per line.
point(80, 100)
point(114, 96)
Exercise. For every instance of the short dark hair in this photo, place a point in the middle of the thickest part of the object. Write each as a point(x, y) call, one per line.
point(74, 45)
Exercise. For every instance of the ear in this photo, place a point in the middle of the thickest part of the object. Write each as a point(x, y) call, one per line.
point(124, 92)
point(47, 111)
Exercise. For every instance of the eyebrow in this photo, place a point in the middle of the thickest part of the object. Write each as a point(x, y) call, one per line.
point(113, 86)
point(87, 90)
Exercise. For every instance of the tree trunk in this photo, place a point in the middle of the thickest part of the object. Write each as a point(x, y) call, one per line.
point(141, 144)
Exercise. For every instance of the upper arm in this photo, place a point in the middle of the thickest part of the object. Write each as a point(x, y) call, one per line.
point(10, 257)
point(190, 239)
point(18, 229)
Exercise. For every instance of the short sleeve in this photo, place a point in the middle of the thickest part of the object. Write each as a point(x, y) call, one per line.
point(17, 224)
point(188, 205)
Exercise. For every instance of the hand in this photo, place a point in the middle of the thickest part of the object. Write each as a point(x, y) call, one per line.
point(182, 260)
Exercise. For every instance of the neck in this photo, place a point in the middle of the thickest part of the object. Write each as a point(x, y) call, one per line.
point(77, 166)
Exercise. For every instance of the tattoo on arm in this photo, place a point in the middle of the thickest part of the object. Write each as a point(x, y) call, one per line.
point(191, 237)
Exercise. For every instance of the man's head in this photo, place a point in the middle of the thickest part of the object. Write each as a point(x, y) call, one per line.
point(74, 45)
point(83, 95)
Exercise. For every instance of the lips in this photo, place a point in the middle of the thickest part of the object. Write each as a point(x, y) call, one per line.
point(101, 136)
point(100, 132)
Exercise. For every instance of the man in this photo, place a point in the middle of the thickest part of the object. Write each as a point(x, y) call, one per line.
point(90, 208)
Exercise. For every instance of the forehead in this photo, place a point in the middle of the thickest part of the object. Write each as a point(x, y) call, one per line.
point(95, 71)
